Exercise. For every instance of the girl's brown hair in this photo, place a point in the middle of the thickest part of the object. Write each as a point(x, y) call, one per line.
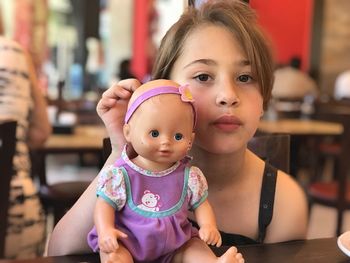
point(1, 23)
point(235, 16)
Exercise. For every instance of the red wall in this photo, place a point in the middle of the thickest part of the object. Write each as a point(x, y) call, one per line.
point(288, 24)
point(140, 38)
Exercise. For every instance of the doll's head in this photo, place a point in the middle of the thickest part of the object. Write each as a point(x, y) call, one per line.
point(160, 120)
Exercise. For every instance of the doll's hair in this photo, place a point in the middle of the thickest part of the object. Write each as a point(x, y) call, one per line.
point(235, 16)
point(183, 92)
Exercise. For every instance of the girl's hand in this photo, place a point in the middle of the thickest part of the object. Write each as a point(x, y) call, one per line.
point(112, 108)
point(210, 235)
point(107, 240)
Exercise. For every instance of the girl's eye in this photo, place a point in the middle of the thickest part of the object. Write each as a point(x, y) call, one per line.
point(178, 136)
point(202, 77)
point(244, 78)
point(154, 133)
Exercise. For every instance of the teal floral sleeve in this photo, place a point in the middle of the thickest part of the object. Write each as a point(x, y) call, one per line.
point(197, 187)
point(111, 186)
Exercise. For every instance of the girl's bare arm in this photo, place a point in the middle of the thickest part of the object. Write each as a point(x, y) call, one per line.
point(70, 234)
point(290, 216)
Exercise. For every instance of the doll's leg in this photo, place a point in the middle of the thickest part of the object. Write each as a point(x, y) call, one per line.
point(195, 250)
point(122, 255)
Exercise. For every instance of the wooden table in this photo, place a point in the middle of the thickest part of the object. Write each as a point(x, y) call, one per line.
point(89, 137)
point(84, 139)
point(313, 251)
point(300, 127)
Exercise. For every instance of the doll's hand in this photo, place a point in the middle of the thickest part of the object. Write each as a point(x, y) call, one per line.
point(210, 235)
point(112, 108)
point(107, 240)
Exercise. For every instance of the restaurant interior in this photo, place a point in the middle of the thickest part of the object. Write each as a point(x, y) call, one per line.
point(81, 47)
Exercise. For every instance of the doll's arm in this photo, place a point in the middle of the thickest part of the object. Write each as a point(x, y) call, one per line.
point(104, 222)
point(203, 211)
point(205, 218)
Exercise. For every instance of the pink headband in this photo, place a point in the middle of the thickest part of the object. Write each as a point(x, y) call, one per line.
point(184, 91)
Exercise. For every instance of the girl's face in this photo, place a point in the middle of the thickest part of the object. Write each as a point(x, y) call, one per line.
point(227, 95)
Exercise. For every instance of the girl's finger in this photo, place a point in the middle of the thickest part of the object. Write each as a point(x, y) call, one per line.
point(130, 84)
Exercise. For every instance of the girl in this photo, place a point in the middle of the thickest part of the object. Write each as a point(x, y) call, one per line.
point(220, 51)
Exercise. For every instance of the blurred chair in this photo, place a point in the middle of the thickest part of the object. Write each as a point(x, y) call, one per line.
point(58, 197)
point(273, 148)
point(336, 191)
point(7, 150)
point(107, 148)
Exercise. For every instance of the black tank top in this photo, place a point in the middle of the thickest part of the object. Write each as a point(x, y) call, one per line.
point(267, 198)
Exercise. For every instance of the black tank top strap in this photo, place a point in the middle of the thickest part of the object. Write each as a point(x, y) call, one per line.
point(267, 198)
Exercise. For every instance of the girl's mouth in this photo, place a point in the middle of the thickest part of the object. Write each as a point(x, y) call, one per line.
point(227, 123)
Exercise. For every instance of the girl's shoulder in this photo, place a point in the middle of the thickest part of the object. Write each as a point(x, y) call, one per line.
point(290, 210)
point(290, 215)
point(288, 186)
point(289, 192)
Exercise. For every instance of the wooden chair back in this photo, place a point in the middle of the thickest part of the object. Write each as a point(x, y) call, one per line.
point(107, 149)
point(56, 197)
point(272, 148)
point(7, 150)
point(333, 111)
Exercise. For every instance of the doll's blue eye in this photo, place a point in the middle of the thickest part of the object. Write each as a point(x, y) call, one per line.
point(178, 136)
point(154, 133)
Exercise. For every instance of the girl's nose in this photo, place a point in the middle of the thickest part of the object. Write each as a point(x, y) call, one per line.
point(227, 95)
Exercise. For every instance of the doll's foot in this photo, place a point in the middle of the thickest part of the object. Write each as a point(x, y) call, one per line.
point(231, 256)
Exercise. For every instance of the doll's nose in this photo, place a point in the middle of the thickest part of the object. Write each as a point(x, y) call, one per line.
point(165, 141)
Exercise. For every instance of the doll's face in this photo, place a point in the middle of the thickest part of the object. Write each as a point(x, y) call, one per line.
point(161, 129)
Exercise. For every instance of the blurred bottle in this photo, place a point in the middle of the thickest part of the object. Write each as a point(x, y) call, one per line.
point(307, 108)
point(271, 114)
point(75, 81)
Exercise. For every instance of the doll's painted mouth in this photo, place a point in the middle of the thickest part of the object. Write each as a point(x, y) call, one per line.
point(165, 152)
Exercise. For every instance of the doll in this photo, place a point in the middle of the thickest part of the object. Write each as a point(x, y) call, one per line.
point(143, 200)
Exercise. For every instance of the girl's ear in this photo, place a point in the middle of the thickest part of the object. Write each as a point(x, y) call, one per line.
point(126, 131)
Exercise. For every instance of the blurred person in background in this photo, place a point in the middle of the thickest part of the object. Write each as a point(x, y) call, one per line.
point(291, 83)
point(125, 70)
point(294, 92)
point(22, 100)
point(342, 86)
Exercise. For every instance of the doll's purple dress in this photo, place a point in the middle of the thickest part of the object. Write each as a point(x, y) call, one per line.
point(151, 208)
